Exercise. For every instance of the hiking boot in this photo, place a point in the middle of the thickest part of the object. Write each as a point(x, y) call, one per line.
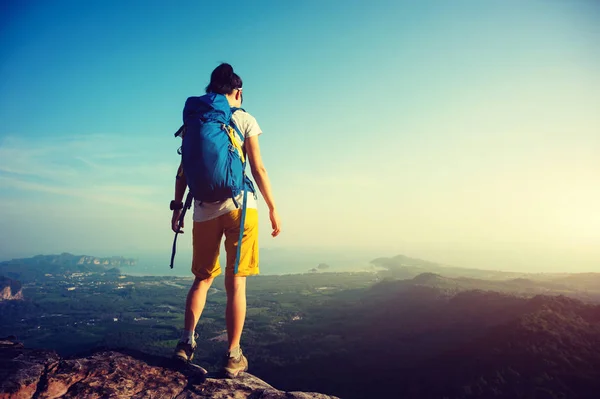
point(234, 366)
point(184, 351)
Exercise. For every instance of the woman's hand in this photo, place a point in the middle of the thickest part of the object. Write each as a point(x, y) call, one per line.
point(175, 222)
point(275, 222)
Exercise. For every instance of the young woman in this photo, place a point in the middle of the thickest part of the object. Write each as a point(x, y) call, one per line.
point(214, 220)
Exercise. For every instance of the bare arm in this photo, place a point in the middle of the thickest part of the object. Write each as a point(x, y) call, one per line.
point(259, 172)
point(180, 184)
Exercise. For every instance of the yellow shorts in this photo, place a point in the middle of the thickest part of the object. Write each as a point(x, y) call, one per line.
point(207, 243)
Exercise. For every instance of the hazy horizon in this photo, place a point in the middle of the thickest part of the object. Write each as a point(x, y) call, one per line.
point(278, 261)
point(465, 133)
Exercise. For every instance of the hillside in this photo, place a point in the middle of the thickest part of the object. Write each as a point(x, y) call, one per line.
point(473, 344)
point(549, 351)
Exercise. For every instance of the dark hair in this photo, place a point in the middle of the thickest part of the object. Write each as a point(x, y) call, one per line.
point(223, 80)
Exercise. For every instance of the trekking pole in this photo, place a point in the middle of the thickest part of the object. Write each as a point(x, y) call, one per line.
point(186, 206)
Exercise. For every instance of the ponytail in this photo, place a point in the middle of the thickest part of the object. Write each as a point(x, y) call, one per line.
point(223, 80)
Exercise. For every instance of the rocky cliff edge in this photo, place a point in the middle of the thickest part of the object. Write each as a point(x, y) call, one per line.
point(32, 373)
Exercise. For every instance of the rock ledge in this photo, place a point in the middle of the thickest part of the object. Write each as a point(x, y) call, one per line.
point(30, 373)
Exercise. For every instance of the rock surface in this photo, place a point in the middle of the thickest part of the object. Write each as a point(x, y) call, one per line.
point(41, 374)
point(10, 289)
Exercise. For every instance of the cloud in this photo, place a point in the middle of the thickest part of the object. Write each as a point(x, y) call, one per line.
point(110, 169)
point(113, 195)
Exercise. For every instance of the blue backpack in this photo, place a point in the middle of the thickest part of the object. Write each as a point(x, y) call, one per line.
point(213, 160)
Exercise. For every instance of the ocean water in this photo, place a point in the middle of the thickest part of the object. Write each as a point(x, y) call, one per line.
point(272, 262)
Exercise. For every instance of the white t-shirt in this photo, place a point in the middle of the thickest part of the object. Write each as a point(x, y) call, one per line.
point(211, 210)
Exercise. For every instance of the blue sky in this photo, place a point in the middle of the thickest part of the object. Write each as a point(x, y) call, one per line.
point(466, 132)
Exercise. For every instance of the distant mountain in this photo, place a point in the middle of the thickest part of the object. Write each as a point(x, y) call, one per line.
point(403, 261)
point(69, 259)
point(41, 266)
point(580, 281)
point(10, 289)
point(584, 286)
point(401, 266)
point(520, 286)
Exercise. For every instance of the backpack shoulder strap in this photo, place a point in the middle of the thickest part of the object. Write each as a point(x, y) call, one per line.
point(233, 124)
point(237, 130)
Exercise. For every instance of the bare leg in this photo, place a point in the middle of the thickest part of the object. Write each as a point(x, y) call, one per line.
point(235, 313)
point(196, 300)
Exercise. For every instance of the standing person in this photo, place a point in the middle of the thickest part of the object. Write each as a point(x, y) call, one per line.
point(213, 220)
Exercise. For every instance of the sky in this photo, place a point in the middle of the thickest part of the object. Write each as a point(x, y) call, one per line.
point(464, 132)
